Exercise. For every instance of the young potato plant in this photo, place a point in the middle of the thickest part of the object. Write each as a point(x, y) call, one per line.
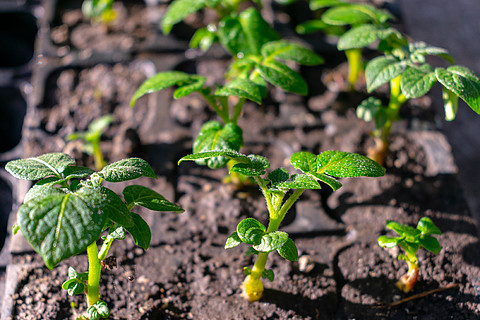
point(91, 139)
point(404, 67)
point(100, 11)
point(68, 209)
point(411, 240)
point(281, 190)
point(356, 25)
point(259, 58)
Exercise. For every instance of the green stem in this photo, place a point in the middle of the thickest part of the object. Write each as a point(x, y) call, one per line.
point(354, 57)
point(237, 110)
point(213, 103)
point(94, 271)
point(97, 156)
point(396, 101)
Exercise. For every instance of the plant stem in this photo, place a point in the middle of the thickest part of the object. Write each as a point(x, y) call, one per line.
point(396, 101)
point(213, 103)
point(102, 254)
point(237, 110)
point(94, 271)
point(97, 156)
point(354, 57)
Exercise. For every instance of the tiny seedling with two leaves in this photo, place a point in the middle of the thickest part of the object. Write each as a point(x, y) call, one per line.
point(357, 26)
point(281, 190)
point(91, 139)
point(405, 69)
point(411, 240)
point(66, 213)
point(259, 58)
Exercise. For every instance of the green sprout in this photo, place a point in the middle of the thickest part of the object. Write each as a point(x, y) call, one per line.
point(276, 187)
point(91, 139)
point(404, 68)
point(411, 240)
point(65, 213)
point(258, 58)
point(99, 10)
point(356, 25)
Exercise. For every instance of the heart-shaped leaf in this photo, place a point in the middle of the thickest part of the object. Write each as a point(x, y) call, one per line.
point(49, 164)
point(61, 224)
point(127, 169)
point(271, 241)
point(214, 136)
point(250, 231)
point(146, 197)
point(426, 226)
point(268, 274)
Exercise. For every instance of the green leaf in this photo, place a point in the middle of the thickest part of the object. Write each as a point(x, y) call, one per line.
point(381, 70)
point(102, 309)
point(286, 50)
point(362, 36)
point(368, 108)
point(289, 250)
point(307, 162)
point(416, 82)
point(403, 230)
point(118, 233)
point(233, 241)
point(245, 34)
point(242, 88)
point(146, 197)
point(73, 287)
point(410, 248)
point(115, 207)
point(247, 271)
point(320, 4)
point(49, 164)
point(196, 84)
point(421, 48)
point(215, 137)
point(229, 154)
point(463, 82)
point(347, 15)
point(250, 231)
point(430, 243)
point(255, 167)
point(179, 10)
point(60, 225)
point(127, 169)
point(75, 172)
point(93, 313)
point(203, 38)
point(283, 77)
point(389, 242)
point(97, 126)
point(250, 251)
point(298, 181)
point(278, 175)
point(337, 164)
point(164, 80)
point(40, 190)
point(426, 226)
point(140, 231)
point(268, 274)
point(271, 241)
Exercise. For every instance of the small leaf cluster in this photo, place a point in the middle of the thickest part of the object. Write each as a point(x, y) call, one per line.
point(69, 208)
point(98, 311)
point(93, 135)
point(412, 239)
point(76, 283)
point(417, 77)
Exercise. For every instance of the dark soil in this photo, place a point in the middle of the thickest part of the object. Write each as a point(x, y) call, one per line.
point(186, 273)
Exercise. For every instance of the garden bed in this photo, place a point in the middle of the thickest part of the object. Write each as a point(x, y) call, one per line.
point(186, 273)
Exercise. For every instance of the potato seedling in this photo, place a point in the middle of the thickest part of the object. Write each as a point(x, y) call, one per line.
point(411, 240)
point(357, 25)
point(65, 213)
point(99, 10)
point(259, 63)
point(91, 139)
point(276, 187)
point(404, 67)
